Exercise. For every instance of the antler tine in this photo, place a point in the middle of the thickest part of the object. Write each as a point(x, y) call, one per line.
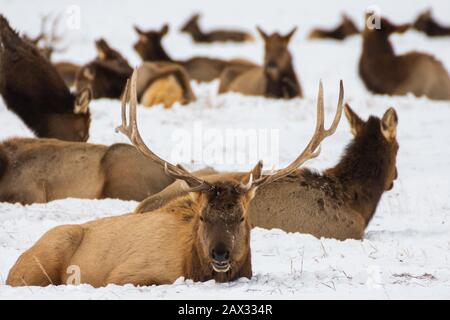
point(313, 149)
point(130, 129)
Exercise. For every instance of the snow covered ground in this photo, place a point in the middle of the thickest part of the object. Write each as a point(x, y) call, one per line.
point(406, 251)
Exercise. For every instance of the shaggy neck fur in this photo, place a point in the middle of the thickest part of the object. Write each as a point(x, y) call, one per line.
point(376, 45)
point(363, 169)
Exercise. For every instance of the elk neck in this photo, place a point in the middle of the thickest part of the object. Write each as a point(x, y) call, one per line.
point(376, 45)
point(363, 169)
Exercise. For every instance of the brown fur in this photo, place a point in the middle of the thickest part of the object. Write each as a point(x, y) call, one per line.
point(106, 75)
point(345, 29)
point(67, 71)
point(149, 48)
point(175, 241)
point(41, 98)
point(336, 204)
point(426, 24)
point(275, 79)
point(384, 72)
point(192, 28)
point(42, 170)
point(163, 82)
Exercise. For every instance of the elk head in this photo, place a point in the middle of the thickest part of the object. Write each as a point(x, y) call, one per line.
point(348, 27)
point(277, 58)
point(221, 206)
point(191, 25)
point(423, 20)
point(382, 131)
point(149, 45)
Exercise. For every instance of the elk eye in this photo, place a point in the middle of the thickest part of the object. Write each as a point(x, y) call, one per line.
point(202, 219)
point(242, 219)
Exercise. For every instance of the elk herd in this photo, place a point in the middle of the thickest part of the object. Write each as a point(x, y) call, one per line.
point(197, 224)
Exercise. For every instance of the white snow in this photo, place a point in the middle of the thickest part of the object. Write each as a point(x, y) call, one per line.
point(406, 250)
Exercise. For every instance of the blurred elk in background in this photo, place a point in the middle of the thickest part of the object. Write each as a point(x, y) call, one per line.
point(275, 79)
point(48, 42)
point(384, 72)
point(43, 170)
point(41, 98)
point(345, 29)
point(150, 49)
point(192, 28)
point(426, 24)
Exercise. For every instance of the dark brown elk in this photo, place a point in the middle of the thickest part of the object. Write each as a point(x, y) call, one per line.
point(345, 29)
point(204, 235)
point(275, 79)
point(150, 49)
point(43, 170)
point(192, 28)
point(426, 24)
point(47, 43)
point(384, 72)
point(33, 89)
point(338, 203)
point(106, 75)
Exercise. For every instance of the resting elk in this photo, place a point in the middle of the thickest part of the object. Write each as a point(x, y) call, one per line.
point(41, 98)
point(275, 79)
point(384, 72)
point(426, 24)
point(338, 203)
point(150, 49)
point(43, 170)
point(106, 75)
point(202, 236)
point(192, 28)
point(345, 29)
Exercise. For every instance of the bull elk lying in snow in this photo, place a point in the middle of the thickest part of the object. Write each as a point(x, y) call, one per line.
point(42, 170)
point(339, 203)
point(150, 49)
point(345, 29)
point(384, 72)
point(426, 24)
point(201, 236)
point(275, 79)
point(192, 28)
point(41, 98)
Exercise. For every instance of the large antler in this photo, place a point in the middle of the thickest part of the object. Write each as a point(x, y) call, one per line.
point(131, 131)
point(312, 150)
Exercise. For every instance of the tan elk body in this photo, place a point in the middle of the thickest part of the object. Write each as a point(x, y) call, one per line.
point(201, 236)
point(42, 170)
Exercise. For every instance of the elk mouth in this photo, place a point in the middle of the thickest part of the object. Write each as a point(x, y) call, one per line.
point(221, 266)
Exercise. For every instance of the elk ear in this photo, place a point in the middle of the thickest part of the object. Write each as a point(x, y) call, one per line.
point(389, 124)
point(354, 120)
point(164, 30)
point(262, 33)
point(288, 37)
point(82, 100)
point(138, 30)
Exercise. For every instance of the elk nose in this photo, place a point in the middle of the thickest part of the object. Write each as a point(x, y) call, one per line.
point(220, 254)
